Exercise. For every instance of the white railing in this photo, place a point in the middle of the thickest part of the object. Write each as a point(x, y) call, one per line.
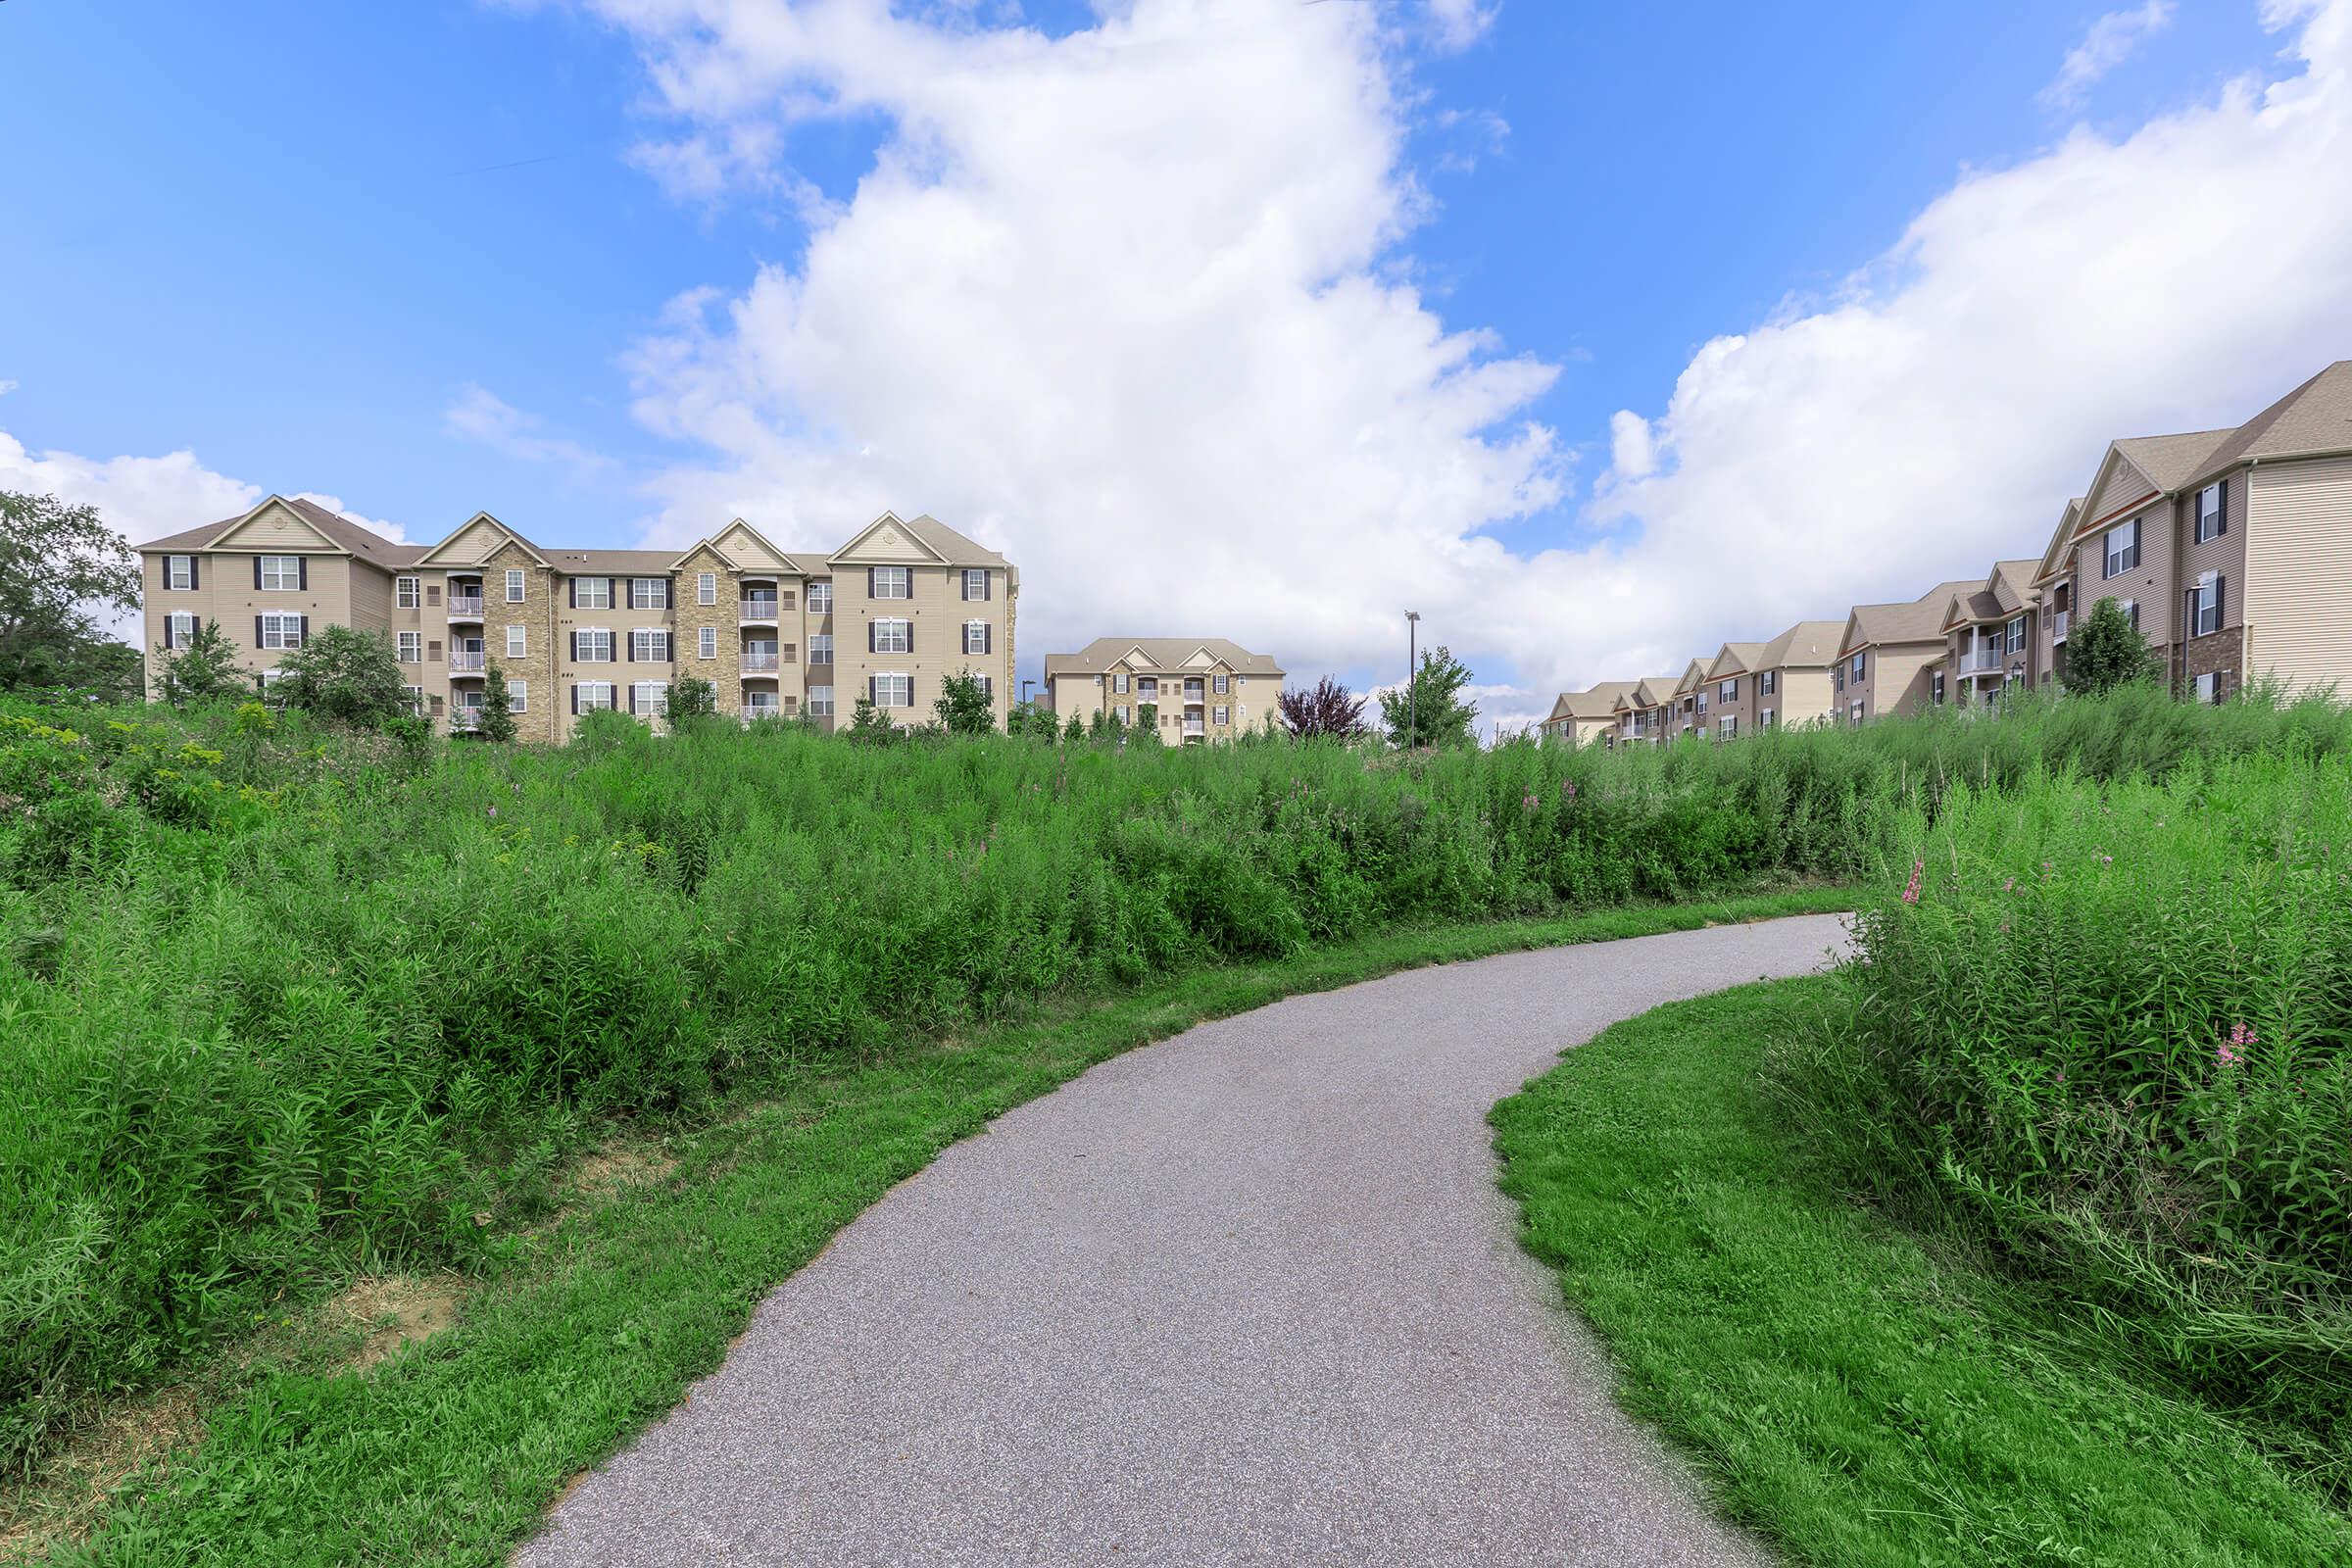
point(1981, 661)
point(464, 719)
point(2058, 620)
point(463, 660)
point(466, 605)
point(1193, 727)
point(758, 661)
point(756, 610)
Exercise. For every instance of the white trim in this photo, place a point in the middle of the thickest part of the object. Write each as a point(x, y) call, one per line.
point(518, 697)
point(518, 642)
point(611, 653)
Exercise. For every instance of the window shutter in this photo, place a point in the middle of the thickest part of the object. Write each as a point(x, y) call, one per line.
point(612, 592)
point(305, 633)
point(2220, 585)
point(572, 589)
point(168, 622)
point(302, 573)
point(988, 636)
point(869, 630)
point(631, 659)
point(632, 696)
point(576, 698)
point(195, 572)
point(909, 648)
point(873, 683)
point(987, 586)
point(257, 580)
point(257, 624)
point(2222, 526)
point(575, 651)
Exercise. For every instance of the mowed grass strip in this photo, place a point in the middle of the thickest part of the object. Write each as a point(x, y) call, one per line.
point(450, 1450)
point(1859, 1399)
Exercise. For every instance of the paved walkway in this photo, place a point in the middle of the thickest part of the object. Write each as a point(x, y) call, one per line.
point(1248, 1296)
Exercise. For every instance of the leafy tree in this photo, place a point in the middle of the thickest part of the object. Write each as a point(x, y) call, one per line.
point(345, 674)
point(869, 724)
point(1075, 730)
point(496, 718)
point(691, 698)
point(202, 669)
point(964, 707)
point(1433, 699)
point(2107, 651)
point(1146, 722)
point(1327, 709)
point(59, 565)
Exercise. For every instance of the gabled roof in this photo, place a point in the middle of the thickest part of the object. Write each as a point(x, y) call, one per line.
point(1156, 654)
point(2002, 596)
point(728, 546)
point(1807, 645)
point(1919, 620)
point(1694, 675)
point(2168, 459)
point(942, 543)
point(1651, 691)
point(446, 551)
point(337, 530)
point(1594, 702)
point(1733, 659)
point(2054, 555)
point(2314, 417)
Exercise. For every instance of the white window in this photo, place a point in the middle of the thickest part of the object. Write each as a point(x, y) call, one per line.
point(648, 645)
point(705, 642)
point(893, 637)
point(2123, 548)
point(589, 695)
point(1222, 684)
point(1768, 683)
point(412, 648)
point(1121, 715)
point(281, 573)
point(1148, 686)
point(406, 593)
point(1935, 686)
point(2013, 636)
point(1118, 683)
point(2207, 688)
point(975, 583)
point(2130, 610)
point(649, 593)
point(178, 628)
point(988, 685)
point(1857, 665)
point(821, 648)
point(519, 696)
point(179, 571)
point(648, 697)
point(890, 583)
point(514, 586)
point(280, 631)
point(1728, 725)
point(1854, 712)
point(705, 588)
point(1218, 714)
point(592, 593)
point(2205, 606)
point(1728, 691)
point(820, 702)
point(820, 598)
point(2213, 519)
point(517, 641)
point(415, 698)
point(975, 637)
point(592, 645)
point(1764, 719)
point(894, 691)
point(761, 704)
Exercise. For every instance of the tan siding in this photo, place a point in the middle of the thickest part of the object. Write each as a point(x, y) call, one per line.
point(274, 529)
point(1804, 696)
point(895, 545)
point(937, 613)
point(2298, 596)
point(477, 541)
point(744, 548)
point(2149, 584)
point(2226, 555)
point(2124, 486)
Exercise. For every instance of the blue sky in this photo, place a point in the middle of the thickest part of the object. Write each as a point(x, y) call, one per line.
point(291, 239)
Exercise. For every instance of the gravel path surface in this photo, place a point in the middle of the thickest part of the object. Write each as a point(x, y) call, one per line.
point(1248, 1295)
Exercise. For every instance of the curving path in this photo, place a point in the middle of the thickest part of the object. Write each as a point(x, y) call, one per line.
point(1248, 1296)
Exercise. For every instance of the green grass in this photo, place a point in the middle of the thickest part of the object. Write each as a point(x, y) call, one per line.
point(1859, 1396)
point(583, 1332)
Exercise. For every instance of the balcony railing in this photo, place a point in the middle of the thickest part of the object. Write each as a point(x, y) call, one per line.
point(756, 610)
point(464, 719)
point(464, 607)
point(2058, 620)
point(755, 661)
point(1192, 727)
point(467, 661)
point(1981, 661)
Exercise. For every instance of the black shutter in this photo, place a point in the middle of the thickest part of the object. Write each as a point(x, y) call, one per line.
point(195, 572)
point(2220, 584)
point(869, 631)
point(987, 586)
point(305, 633)
point(2224, 498)
point(909, 648)
point(575, 651)
point(257, 571)
point(613, 592)
point(302, 573)
point(169, 621)
point(257, 625)
point(632, 659)
point(571, 588)
point(870, 582)
point(575, 698)
point(873, 684)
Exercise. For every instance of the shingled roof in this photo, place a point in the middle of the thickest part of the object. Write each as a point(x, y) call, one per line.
point(2314, 417)
point(365, 543)
point(1919, 620)
point(1162, 653)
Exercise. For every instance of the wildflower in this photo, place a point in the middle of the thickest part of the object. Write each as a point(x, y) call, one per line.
point(2232, 1053)
point(2009, 886)
point(494, 813)
point(1528, 802)
point(2106, 859)
point(1911, 892)
point(1568, 788)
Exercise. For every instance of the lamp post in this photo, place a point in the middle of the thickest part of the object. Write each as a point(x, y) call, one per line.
point(1413, 664)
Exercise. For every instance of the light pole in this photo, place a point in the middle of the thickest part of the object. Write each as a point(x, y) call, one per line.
point(1413, 664)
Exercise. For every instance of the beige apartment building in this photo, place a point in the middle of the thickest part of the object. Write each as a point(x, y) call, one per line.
point(1579, 718)
point(1643, 711)
point(2231, 549)
point(888, 617)
point(1758, 686)
point(1989, 640)
point(1890, 658)
point(1201, 689)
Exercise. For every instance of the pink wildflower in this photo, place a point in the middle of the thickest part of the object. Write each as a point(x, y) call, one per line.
point(2232, 1052)
point(1911, 891)
point(2009, 886)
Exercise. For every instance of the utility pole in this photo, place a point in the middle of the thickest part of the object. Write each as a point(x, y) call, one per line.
point(1413, 664)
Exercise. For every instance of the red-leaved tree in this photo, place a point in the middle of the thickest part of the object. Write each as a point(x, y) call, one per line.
point(1325, 708)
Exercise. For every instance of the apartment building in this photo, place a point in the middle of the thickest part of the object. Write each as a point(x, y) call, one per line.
point(1787, 680)
point(1579, 718)
point(1687, 704)
point(1890, 658)
point(1990, 637)
point(887, 616)
point(2231, 549)
point(1201, 689)
point(1643, 711)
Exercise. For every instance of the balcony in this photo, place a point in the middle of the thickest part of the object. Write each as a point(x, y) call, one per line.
point(464, 607)
point(2058, 620)
point(756, 610)
point(758, 661)
point(1981, 661)
point(468, 660)
point(1193, 730)
point(465, 721)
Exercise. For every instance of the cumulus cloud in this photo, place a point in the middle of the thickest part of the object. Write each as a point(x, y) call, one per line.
point(1940, 412)
point(2111, 40)
point(1126, 303)
point(479, 414)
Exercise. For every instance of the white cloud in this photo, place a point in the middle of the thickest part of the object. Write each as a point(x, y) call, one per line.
point(2111, 40)
point(145, 498)
point(477, 414)
point(6, 387)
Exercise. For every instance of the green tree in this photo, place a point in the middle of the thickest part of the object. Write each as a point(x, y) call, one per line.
point(60, 565)
point(202, 669)
point(339, 673)
point(1431, 705)
point(2107, 651)
point(495, 718)
point(1075, 730)
point(691, 698)
point(869, 724)
point(964, 707)
point(1147, 723)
